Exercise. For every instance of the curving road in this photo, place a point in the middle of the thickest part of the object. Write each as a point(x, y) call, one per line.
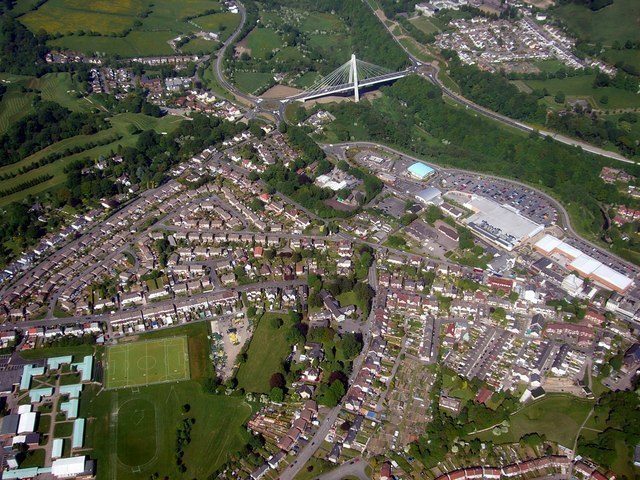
point(220, 60)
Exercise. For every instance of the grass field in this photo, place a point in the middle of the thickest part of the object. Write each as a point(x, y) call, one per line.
point(262, 41)
point(582, 86)
point(225, 23)
point(199, 46)
point(102, 16)
point(14, 106)
point(618, 21)
point(148, 362)
point(267, 350)
point(321, 22)
point(133, 434)
point(146, 34)
point(136, 43)
point(557, 416)
point(133, 430)
point(251, 81)
point(424, 24)
point(55, 87)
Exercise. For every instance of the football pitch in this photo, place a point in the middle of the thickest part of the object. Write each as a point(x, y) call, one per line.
point(147, 362)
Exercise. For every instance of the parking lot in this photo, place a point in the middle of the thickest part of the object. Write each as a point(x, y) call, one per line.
point(526, 201)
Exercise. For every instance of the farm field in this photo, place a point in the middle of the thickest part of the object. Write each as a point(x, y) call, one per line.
point(136, 43)
point(267, 350)
point(582, 87)
point(148, 362)
point(199, 46)
point(557, 416)
point(66, 16)
point(617, 21)
point(262, 41)
point(252, 81)
point(148, 27)
point(225, 23)
point(133, 431)
point(424, 24)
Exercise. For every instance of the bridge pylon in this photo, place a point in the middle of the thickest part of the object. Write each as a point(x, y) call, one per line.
point(353, 77)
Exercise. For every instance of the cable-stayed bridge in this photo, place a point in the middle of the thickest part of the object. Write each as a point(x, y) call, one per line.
point(351, 76)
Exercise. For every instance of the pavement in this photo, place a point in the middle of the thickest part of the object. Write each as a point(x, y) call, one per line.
point(353, 468)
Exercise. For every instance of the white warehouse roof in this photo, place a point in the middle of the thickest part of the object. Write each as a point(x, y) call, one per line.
point(27, 423)
point(68, 467)
point(548, 243)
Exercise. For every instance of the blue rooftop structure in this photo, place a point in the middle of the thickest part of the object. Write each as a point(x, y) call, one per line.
point(85, 367)
point(25, 472)
point(28, 373)
point(54, 363)
point(37, 393)
point(77, 439)
point(420, 170)
point(72, 390)
point(70, 408)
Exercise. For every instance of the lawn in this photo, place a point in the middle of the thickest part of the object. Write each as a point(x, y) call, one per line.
point(147, 362)
point(557, 416)
point(267, 350)
point(133, 434)
point(77, 351)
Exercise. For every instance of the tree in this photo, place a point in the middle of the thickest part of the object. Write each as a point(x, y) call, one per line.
point(350, 345)
point(277, 380)
point(275, 322)
point(276, 395)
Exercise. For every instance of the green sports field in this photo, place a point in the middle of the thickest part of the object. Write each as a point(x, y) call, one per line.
point(148, 362)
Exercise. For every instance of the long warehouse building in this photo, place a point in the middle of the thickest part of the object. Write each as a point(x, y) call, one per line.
point(573, 259)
